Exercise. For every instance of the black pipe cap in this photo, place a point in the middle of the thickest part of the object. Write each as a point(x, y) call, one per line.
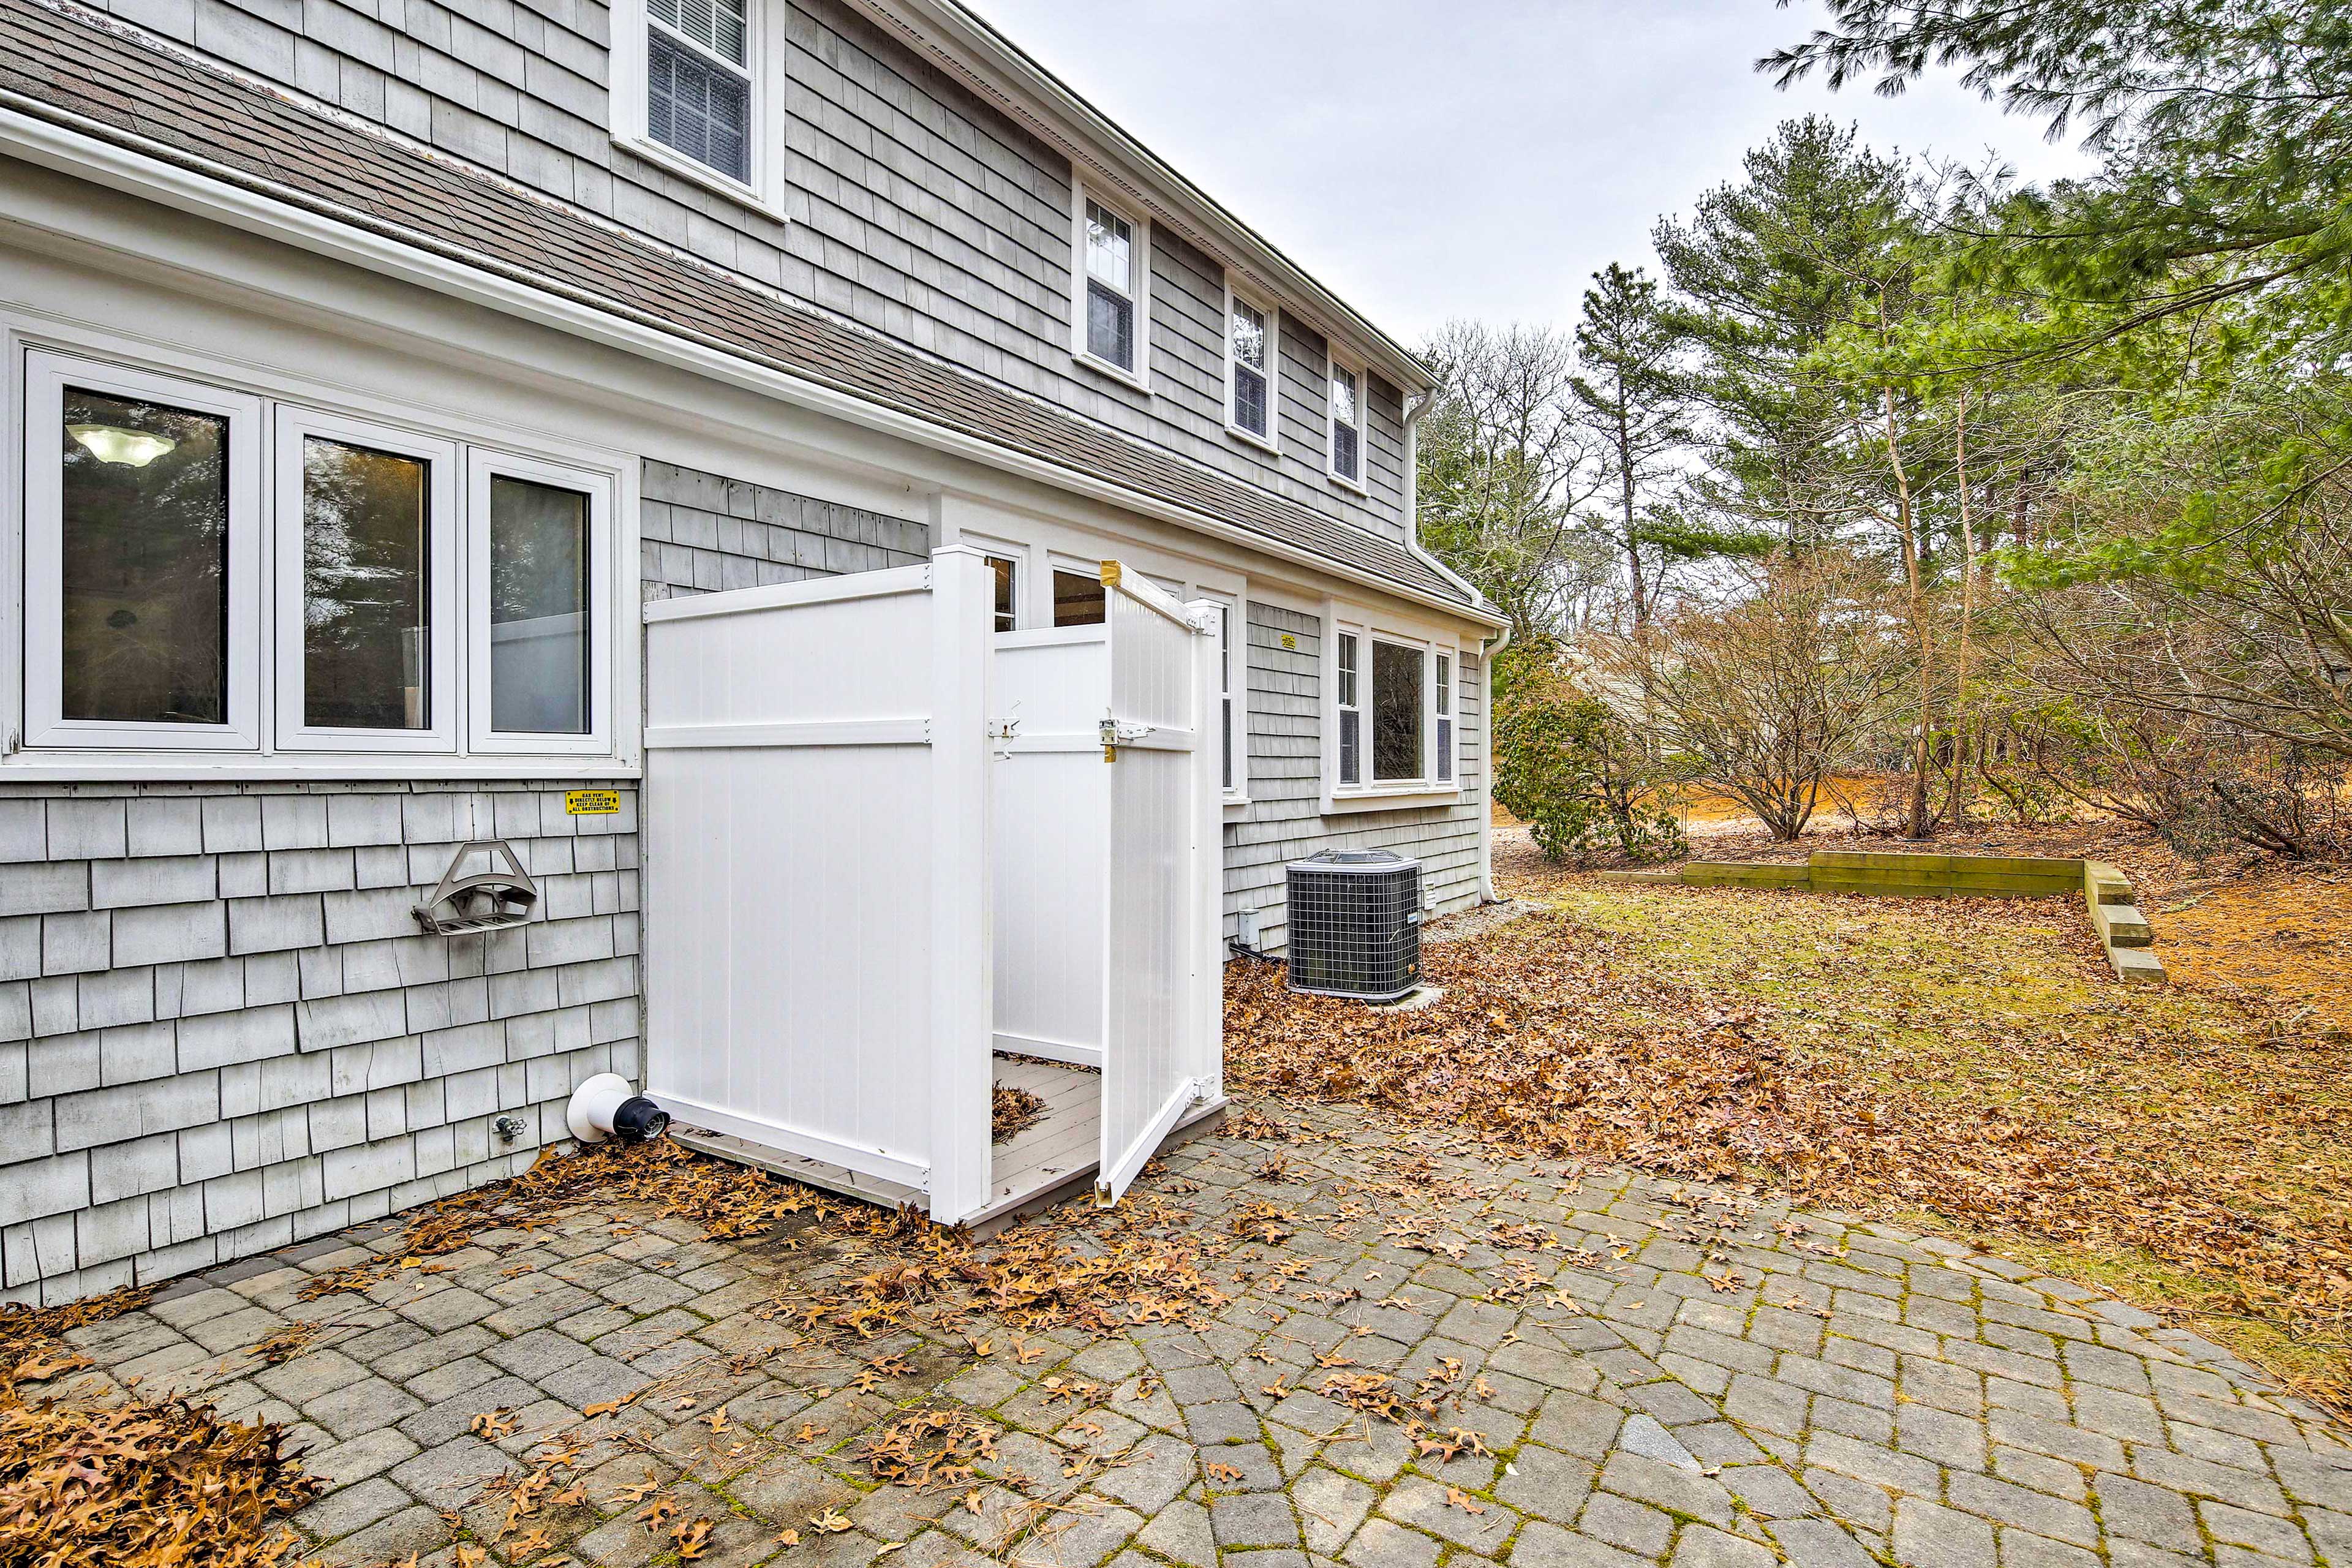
point(639, 1120)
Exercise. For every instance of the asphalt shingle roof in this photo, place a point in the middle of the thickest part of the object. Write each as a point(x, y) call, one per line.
point(69, 68)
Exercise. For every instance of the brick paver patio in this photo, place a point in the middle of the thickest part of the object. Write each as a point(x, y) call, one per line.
point(1678, 1375)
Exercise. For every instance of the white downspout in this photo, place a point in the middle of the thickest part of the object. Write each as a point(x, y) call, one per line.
point(1486, 652)
point(1488, 647)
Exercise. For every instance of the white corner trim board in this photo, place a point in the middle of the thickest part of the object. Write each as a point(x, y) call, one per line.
point(420, 261)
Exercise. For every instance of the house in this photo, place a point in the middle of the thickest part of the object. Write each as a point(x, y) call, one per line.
point(369, 366)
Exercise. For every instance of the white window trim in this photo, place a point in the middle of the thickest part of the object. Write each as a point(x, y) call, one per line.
point(1235, 667)
point(294, 425)
point(1360, 483)
point(764, 47)
point(1445, 718)
point(1024, 613)
point(481, 467)
point(45, 377)
point(248, 747)
point(1369, 794)
point(1139, 376)
point(1272, 439)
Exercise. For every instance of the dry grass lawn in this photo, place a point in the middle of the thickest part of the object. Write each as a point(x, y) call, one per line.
point(1964, 1066)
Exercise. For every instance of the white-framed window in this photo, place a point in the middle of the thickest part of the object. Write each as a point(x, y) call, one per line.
point(1347, 435)
point(1079, 597)
point(1252, 368)
point(692, 84)
point(367, 589)
point(1111, 303)
point(1444, 705)
point(1233, 698)
point(1350, 708)
point(1005, 570)
point(142, 560)
point(428, 597)
point(540, 679)
point(1390, 712)
point(1400, 713)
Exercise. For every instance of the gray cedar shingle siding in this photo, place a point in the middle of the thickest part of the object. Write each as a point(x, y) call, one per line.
point(221, 1031)
point(918, 211)
point(702, 533)
point(135, 91)
point(1285, 820)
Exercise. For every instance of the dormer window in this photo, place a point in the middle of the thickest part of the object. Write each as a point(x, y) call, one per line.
point(1112, 304)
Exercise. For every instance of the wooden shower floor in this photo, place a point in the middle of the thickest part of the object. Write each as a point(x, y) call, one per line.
point(1053, 1158)
point(1063, 1142)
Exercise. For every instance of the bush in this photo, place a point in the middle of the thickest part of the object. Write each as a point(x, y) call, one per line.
point(1567, 766)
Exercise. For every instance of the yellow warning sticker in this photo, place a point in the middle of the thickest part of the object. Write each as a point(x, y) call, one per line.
point(592, 802)
point(1288, 641)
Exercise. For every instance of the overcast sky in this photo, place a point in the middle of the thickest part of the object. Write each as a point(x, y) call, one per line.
point(1435, 158)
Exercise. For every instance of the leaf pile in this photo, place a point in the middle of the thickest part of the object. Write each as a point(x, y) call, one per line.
point(87, 1482)
point(1009, 1110)
point(1964, 1058)
point(927, 1447)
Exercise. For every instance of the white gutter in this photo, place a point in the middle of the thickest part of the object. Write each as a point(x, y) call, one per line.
point(216, 194)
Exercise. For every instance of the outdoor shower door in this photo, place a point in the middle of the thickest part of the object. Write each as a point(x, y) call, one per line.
point(1165, 879)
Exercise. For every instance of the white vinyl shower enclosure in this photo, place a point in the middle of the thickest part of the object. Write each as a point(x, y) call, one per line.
point(883, 842)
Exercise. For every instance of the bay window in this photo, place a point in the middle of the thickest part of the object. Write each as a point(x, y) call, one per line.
point(397, 556)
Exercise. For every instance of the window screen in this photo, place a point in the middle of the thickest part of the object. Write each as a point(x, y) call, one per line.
point(697, 107)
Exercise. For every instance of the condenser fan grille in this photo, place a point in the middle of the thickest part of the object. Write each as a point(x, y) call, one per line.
point(1354, 924)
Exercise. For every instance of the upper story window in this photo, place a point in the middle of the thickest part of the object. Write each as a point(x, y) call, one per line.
point(1347, 425)
point(1252, 354)
point(698, 82)
point(1112, 304)
point(430, 597)
point(691, 84)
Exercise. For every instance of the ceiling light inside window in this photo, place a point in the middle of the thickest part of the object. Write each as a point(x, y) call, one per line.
point(113, 444)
